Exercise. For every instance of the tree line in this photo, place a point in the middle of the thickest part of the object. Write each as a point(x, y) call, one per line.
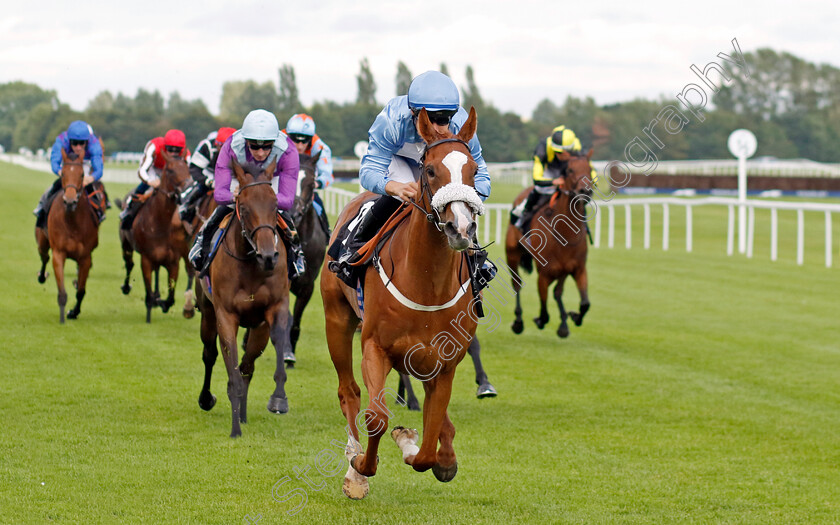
point(793, 107)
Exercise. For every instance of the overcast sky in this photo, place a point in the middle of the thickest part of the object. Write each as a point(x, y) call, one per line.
point(521, 51)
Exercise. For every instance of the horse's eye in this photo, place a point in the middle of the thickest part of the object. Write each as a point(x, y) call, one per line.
point(430, 172)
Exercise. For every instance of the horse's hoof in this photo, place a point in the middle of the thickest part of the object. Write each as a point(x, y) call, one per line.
point(485, 390)
point(206, 401)
point(414, 405)
point(517, 326)
point(576, 318)
point(164, 307)
point(355, 489)
point(563, 331)
point(189, 314)
point(235, 434)
point(42, 278)
point(289, 357)
point(278, 405)
point(126, 289)
point(445, 474)
point(539, 322)
point(73, 314)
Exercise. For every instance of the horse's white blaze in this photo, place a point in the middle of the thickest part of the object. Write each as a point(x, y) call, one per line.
point(454, 162)
point(463, 217)
point(301, 176)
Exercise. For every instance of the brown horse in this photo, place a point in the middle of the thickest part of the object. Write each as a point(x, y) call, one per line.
point(204, 209)
point(423, 261)
point(557, 242)
point(72, 233)
point(313, 241)
point(247, 286)
point(157, 235)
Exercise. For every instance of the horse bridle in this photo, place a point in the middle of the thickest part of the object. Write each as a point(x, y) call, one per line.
point(63, 185)
point(174, 194)
point(425, 189)
point(249, 235)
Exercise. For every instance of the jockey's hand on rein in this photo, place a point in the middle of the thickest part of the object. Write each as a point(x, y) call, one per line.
point(403, 190)
point(558, 182)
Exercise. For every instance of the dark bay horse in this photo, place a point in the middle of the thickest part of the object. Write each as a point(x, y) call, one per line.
point(313, 240)
point(157, 235)
point(557, 242)
point(184, 236)
point(72, 233)
point(417, 287)
point(247, 286)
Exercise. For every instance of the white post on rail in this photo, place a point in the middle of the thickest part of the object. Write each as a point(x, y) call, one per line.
point(742, 144)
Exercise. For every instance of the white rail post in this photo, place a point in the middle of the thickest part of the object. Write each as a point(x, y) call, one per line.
point(666, 223)
point(730, 231)
point(499, 238)
point(750, 232)
point(647, 226)
point(597, 242)
point(800, 237)
point(611, 228)
point(487, 227)
point(828, 239)
point(689, 227)
point(628, 239)
point(774, 234)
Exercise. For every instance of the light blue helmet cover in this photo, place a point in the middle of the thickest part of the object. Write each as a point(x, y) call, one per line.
point(260, 125)
point(301, 124)
point(434, 91)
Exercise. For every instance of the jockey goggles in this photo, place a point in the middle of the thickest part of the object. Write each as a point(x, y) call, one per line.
point(300, 139)
point(174, 149)
point(441, 118)
point(258, 145)
point(74, 142)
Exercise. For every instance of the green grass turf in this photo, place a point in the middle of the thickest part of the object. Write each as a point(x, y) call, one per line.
point(701, 388)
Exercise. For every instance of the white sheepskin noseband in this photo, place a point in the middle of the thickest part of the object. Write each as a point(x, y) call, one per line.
point(455, 191)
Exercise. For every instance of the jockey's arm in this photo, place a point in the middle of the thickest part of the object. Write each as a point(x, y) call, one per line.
point(146, 165)
point(55, 155)
point(221, 189)
point(482, 176)
point(373, 173)
point(324, 169)
point(288, 166)
point(94, 151)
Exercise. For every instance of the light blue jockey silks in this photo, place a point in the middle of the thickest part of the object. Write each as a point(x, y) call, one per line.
point(392, 130)
point(324, 167)
point(93, 153)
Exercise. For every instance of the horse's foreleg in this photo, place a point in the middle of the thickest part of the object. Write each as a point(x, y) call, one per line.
point(257, 339)
point(228, 325)
point(582, 282)
point(303, 297)
point(485, 389)
point(563, 329)
point(513, 265)
point(438, 392)
point(84, 270)
point(189, 295)
point(128, 259)
point(405, 393)
point(44, 251)
point(58, 270)
point(542, 285)
point(279, 331)
point(146, 268)
point(206, 400)
point(375, 368)
point(447, 465)
point(172, 279)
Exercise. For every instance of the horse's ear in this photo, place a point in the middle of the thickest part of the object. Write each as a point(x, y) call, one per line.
point(317, 156)
point(589, 154)
point(270, 169)
point(238, 172)
point(64, 156)
point(468, 129)
point(424, 127)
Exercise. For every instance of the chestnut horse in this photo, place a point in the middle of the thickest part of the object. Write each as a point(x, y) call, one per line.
point(557, 242)
point(157, 235)
point(423, 261)
point(313, 240)
point(247, 286)
point(72, 232)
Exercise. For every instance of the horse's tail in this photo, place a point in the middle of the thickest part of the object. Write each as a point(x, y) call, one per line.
point(526, 261)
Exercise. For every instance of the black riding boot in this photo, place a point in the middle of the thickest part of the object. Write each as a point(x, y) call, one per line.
point(189, 200)
point(296, 257)
point(41, 210)
point(528, 210)
point(130, 212)
point(201, 246)
point(367, 227)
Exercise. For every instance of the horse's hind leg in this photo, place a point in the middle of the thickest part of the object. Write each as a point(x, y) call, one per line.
point(146, 267)
point(206, 400)
point(303, 297)
point(189, 295)
point(278, 403)
point(84, 270)
point(257, 339)
point(405, 393)
point(582, 282)
point(513, 257)
point(485, 389)
point(563, 329)
point(43, 251)
point(58, 270)
point(542, 285)
point(172, 278)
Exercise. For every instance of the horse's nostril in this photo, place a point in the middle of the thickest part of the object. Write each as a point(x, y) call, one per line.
point(450, 229)
point(471, 229)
